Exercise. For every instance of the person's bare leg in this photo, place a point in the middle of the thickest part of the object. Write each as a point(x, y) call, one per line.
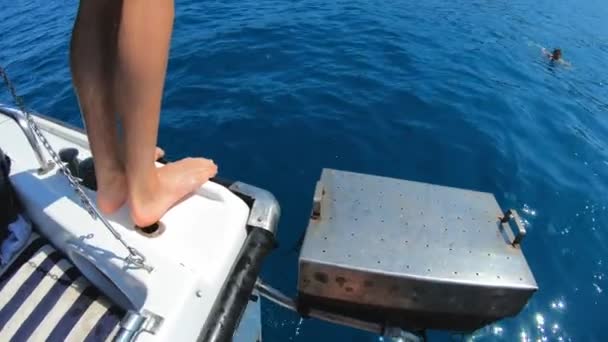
point(158, 154)
point(92, 54)
point(143, 46)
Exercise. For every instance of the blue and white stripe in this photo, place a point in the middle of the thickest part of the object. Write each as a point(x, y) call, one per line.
point(43, 297)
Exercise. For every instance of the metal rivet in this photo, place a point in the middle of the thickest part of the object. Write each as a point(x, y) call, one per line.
point(199, 293)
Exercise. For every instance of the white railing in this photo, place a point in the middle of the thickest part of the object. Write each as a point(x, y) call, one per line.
point(21, 120)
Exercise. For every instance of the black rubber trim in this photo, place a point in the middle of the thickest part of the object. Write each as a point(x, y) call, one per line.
point(232, 301)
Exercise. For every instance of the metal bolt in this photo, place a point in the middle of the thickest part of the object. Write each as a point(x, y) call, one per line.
point(199, 293)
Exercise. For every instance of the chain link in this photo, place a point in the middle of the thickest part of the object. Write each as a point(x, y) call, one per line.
point(135, 257)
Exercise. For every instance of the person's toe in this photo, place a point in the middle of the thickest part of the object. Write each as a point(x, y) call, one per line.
point(159, 153)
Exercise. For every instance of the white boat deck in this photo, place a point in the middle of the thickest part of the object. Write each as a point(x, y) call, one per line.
point(191, 259)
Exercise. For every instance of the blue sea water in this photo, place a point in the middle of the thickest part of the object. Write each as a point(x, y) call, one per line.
point(449, 92)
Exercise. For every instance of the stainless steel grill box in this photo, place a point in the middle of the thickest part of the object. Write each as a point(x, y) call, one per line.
point(412, 255)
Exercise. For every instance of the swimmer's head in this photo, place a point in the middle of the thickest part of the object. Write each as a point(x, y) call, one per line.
point(556, 55)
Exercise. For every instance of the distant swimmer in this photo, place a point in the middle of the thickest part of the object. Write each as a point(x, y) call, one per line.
point(555, 56)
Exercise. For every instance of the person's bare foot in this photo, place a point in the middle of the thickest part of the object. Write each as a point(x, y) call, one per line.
point(111, 191)
point(112, 188)
point(175, 180)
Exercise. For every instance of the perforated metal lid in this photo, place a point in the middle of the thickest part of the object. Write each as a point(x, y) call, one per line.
point(415, 228)
point(449, 242)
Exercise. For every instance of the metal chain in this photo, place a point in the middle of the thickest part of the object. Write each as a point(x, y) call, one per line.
point(135, 257)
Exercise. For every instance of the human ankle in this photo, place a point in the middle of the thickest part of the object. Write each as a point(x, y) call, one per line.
point(111, 191)
point(143, 187)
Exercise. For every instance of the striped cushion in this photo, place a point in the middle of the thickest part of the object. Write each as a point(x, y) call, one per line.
point(43, 297)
